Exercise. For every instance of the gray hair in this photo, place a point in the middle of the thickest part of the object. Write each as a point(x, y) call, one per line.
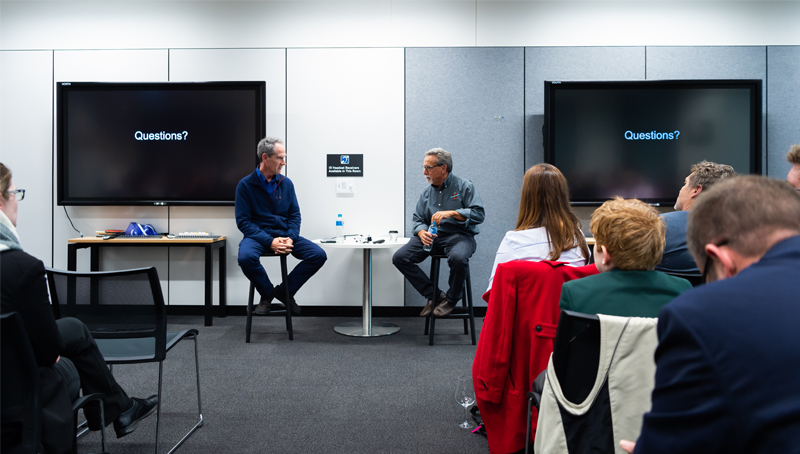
point(706, 174)
point(267, 145)
point(442, 157)
point(742, 212)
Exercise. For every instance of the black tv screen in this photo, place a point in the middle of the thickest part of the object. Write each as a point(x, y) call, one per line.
point(639, 139)
point(156, 143)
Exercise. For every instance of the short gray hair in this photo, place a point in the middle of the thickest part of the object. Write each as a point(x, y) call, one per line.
point(267, 145)
point(742, 212)
point(706, 174)
point(442, 157)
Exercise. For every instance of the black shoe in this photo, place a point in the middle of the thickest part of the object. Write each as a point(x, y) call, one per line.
point(282, 298)
point(429, 307)
point(264, 305)
point(444, 309)
point(128, 421)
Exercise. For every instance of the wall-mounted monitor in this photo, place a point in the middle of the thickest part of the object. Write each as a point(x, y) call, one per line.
point(640, 138)
point(156, 143)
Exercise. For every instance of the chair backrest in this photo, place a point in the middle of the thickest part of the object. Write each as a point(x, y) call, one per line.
point(113, 304)
point(576, 353)
point(696, 279)
point(21, 405)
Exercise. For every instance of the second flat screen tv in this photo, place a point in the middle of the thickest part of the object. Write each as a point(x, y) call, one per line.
point(156, 143)
point(640, 138)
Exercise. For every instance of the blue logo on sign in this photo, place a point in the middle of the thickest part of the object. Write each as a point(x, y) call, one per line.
point(344, 159)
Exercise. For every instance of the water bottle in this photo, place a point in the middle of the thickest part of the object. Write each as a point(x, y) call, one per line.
point(339, 229)
point(432, 230)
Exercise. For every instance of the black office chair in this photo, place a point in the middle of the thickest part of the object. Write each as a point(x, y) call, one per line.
point(696, 279)
point(276, 308)
point(125, 313)
point(576, 357)
point(21, 393)
point(465, 312)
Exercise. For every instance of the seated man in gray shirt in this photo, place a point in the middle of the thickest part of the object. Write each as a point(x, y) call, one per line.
point(455, 206)
point(676, 255)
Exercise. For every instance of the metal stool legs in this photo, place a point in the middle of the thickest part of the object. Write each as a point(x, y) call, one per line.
point(466, 303)
point(287, 292)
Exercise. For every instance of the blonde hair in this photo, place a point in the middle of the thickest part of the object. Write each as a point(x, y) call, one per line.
point(632, 231)
point(544, 202)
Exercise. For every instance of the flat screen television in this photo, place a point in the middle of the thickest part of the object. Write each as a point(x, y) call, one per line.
point(639, 139)
point(156, 143)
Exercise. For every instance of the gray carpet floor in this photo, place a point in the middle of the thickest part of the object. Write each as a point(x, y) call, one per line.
point(321, 392)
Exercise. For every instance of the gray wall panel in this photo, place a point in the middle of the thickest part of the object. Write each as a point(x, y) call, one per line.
point(570, 63)
point(468, 101)
point(784, 106)
point(736, 62)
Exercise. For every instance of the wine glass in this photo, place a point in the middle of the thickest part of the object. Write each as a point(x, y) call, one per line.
point(465, 396)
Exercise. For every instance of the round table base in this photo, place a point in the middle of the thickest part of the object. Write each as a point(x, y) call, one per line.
point(356, 329)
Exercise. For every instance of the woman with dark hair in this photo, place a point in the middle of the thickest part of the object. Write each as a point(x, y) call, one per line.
point(547, 228)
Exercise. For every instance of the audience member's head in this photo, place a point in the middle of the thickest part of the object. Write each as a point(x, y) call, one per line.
point(738, 221)
point(545, 203)
point(8, 200)
point(794, 174)
point(703, 175)
point(628, 234)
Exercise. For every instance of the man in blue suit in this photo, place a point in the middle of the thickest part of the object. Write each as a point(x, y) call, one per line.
point(268, 215)
point(728, 359)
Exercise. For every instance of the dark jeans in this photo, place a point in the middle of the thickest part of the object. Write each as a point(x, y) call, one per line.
point(250, 252)
point(459, 248)
point(93, 375)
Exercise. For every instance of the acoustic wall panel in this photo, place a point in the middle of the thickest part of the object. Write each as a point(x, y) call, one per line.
point(713, 63)
point(570, 63)
point(468, 101)
point(186, 264)
point(783, 99)
point(26, 143)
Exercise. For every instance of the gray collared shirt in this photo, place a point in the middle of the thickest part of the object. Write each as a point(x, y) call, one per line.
point(456, 194)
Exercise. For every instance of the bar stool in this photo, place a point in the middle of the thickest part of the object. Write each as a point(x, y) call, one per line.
point(275, 308)
point(465, 312)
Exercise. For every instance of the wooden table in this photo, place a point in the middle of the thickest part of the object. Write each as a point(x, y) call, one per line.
point(208, 244)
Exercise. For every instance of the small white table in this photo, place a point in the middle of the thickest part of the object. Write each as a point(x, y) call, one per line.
point(366, 328)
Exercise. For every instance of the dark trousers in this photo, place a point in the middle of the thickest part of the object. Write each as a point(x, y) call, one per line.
point(86, 368)
point(458, 248)
point(250, 251)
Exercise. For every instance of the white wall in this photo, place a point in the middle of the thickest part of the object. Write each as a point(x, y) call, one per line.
point(348, 101)
point(380, 23)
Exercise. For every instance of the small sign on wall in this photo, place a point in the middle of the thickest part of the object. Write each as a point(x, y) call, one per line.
point(345, 165)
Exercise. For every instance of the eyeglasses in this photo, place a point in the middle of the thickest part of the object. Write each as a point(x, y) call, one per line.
point(428, 168)
point(21, 193)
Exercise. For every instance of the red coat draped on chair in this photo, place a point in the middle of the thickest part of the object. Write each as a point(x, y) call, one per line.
point(515, 344)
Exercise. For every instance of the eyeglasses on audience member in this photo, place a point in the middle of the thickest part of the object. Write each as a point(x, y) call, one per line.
point(15, 193)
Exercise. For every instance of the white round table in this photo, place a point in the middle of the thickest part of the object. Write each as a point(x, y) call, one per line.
point(366, 328)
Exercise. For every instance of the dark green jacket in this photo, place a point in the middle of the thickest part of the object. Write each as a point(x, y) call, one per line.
point(622, 293)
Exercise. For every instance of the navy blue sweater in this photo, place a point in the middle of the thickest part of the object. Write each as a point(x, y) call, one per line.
point(262, 217)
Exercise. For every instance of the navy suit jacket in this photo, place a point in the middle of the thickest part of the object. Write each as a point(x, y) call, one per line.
point(728, 364)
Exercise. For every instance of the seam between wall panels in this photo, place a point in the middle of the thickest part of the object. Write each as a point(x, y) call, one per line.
point(52, 159)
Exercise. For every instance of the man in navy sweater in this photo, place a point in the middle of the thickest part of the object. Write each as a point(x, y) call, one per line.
point(268, 215)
